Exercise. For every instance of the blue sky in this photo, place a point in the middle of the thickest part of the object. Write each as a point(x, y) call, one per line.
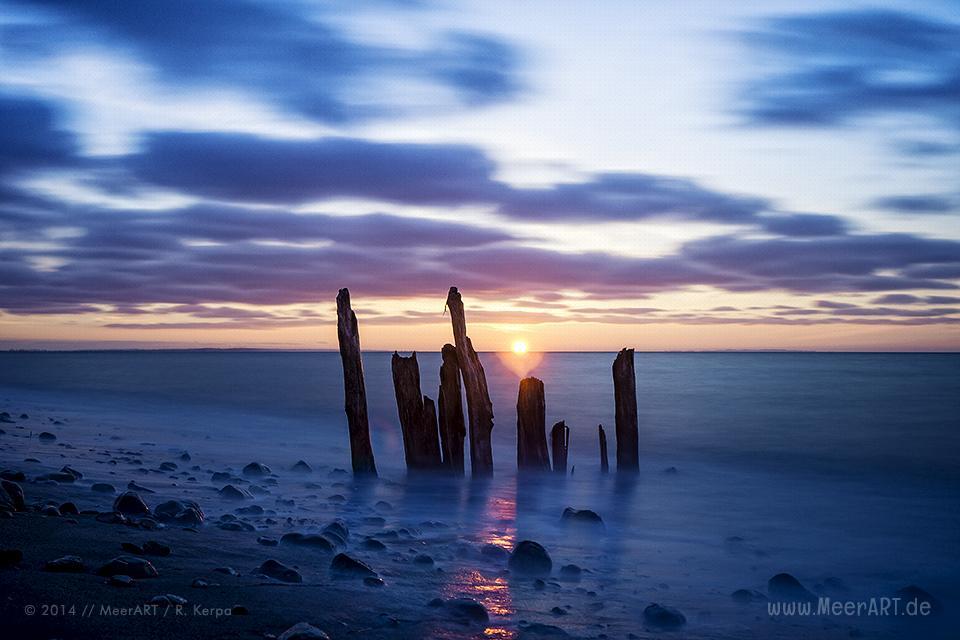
point(667, 175)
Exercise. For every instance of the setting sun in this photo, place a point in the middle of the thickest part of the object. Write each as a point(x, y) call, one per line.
point(519, 347)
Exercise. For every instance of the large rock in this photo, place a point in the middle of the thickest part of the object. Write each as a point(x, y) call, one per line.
point(584, 517)
point(303, 631)
point(466, 610)
point(913, 592)
point(344, 565)
point(66, 564)
point(530, 559)
point(186, 512)
point(230, 492)
point(662, 617)
point(130, 503)
point(784, 586)
point(315, 540)
point(128, 566)
point(301, 467)
point(279, 571)
point(15, 494)
point(256, 470)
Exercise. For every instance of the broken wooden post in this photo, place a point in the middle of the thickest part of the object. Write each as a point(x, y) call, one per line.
point(479, 407)
point(604, 464)
point(531, 426)
point(560, 445)
point(418, 417)
point(450, 404)
point(354, 392)
point(625, 393)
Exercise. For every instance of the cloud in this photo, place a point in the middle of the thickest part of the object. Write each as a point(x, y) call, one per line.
point(294, 53)
point(906, 298)
point(835, 67)
point(29, 138)
point(804, 224)
point(918, 203)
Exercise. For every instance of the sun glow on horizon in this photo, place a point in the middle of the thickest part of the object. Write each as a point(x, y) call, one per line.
point(519, 347)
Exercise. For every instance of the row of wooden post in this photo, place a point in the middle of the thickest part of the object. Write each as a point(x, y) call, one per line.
point(433, 434)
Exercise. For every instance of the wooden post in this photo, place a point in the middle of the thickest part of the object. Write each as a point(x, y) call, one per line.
point(479, 407)
point(604, 464)
point(625, 393)
point(560, 445)
point(418, 417)
point(354, 392)
point(531, 426)
point(450, 404)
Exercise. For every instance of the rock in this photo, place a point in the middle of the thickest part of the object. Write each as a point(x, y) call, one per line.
point(587, 517)
point(558, 611)
point(315, 540)
point(279, 571)
point(111, 517)
point(58, 477)
point(239, 610)
point(66, 564)
point(301, 467)
point(133, 486)
point(103, 487)
point(372, 544)
point(46, 436)
point(129, 547)
point(343, 564)
point(784, 586)
point(168, 466)
point(337, 531)
point(570, 572)
point(913, 592)
point(230, 492)
point(256, 470)
point(179, 511)
point(13, 476)
point(539, 584)
point(370, 581)
point(303, 631)
point(69, 509)
point(120, 581)
point(252, 510)
point(236, 525)
point(746, 596)
point(128, 566)
point(671, 470)
point(267, 542)
point(200, 583)
point(15, 494)
point(423, 559)
point(51, 510)
point(230, 571)
point(131, 504)
point(10, 558)
point(167, 599)
point(24, 416)
point(153, 548)
point(220, 476)
point(530, 558)
point(466, 610)
point(662, 617)
point(493, 552)
point(76, 474)
point(185, 457)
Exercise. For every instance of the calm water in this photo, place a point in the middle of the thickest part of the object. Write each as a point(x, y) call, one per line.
point(837, 413)
point(823, 465)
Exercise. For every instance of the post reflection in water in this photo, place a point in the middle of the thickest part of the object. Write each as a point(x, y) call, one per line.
point(496, 512)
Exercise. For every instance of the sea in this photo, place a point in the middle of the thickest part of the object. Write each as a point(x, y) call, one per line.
point(842, 469)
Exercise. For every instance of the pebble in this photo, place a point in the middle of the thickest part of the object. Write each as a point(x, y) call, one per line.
point(279, 571)
point(343, 564)
point(66, 564)
point(131, 504)
point(103, 487)
point(128, 566)
point(230, 492)
point(663, 617)
point(530, 558)
point(303, 631)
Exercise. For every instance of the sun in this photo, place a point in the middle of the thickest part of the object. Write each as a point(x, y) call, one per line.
point(519, 347)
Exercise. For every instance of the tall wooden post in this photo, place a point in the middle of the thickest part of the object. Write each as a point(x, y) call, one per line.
point(479, 407)
point(418, 416)
point(450, 404)
point(531, 426)
point(354, 392)
point(604, 464)
point(560, 445)
point(625, 393)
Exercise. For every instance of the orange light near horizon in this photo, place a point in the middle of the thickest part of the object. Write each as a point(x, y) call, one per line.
point(519, 347)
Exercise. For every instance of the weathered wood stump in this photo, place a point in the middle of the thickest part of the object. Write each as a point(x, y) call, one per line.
point(625, 393)
point(479, 407)
point(354, 392)
point(531, 427)
point(450, 404)
point(418, 415)
point(560, 446)
point(604, 464)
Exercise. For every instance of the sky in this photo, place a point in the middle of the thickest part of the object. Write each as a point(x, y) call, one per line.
point(661, 175)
